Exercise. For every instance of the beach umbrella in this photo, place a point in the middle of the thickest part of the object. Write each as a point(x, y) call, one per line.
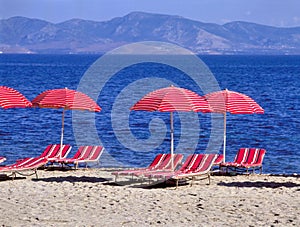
point(171, 99)
point(65, 99)
point(11, 98)
point(232, 102)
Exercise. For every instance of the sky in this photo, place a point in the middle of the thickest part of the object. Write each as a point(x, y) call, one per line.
point(280, 13)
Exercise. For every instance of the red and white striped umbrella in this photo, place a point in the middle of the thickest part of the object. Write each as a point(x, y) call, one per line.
point(171, 99)
point(65, 99)
point(234, 103)
point(11, 98)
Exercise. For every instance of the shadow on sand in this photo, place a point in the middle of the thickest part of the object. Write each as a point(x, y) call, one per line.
point(260, 184)
point(4, 177)
point(145, 184)
point(73, 179)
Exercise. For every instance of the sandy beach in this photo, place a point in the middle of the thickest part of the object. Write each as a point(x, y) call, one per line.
point(92, 198)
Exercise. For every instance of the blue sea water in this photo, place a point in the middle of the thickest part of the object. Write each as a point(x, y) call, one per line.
point(133, 138)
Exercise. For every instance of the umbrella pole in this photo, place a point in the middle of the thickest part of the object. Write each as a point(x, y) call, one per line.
point(224, 142)
point(172, 139)
point(62, 133)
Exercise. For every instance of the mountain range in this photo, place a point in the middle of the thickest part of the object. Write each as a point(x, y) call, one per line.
point(27, 35)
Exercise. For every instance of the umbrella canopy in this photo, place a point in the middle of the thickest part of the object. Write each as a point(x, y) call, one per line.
point(233, 102)
point(65, 99)
point(172, 99)
point(11, 98)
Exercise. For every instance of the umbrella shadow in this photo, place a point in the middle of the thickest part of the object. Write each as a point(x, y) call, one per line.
point(73, 179)
point(260, 184)
point(285, 175)
point(4, 177)
point(128, 183)
point(145, 184)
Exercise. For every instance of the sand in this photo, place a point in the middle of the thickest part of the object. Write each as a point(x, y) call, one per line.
point(91, 198)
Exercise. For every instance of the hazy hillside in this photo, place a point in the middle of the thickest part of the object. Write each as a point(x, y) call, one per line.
point(25, 35)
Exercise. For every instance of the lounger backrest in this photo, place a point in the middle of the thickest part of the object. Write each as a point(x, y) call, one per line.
point(156, 160)
point(167, 163)
point(95, 153)
point(53, 151)
point(188, 162)
point(252, 155)
point(197, 162)
point(206, 163)
point(79, 152)
point(65, 150)
point(242, 155)
point(260, 156)
point(86, 151)
point(177, 159)
point(156, 163)
point(219, 159)
point(191, 163)
point(50, 150)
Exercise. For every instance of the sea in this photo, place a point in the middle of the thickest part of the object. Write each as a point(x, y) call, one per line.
point(133, 138)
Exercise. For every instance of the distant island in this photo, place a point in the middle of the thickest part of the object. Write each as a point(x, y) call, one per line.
point(77, 36)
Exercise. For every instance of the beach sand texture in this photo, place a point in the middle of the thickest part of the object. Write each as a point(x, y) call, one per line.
point(91, 198)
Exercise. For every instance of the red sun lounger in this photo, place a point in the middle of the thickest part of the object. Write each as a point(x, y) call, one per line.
point(245, 159)
point(166, 165)
point(24, 166)
point(85, 154)
point(195, 165)
point(153, 165)
point(52, 151)
point(161, 162)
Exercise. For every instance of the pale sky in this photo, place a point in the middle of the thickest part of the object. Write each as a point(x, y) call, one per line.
point(283, 13)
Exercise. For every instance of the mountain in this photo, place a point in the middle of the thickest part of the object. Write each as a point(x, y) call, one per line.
point(25, 35)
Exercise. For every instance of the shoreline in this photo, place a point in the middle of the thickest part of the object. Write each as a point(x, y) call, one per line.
point(92, 198)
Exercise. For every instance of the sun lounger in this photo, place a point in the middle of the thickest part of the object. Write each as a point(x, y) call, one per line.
point(160, 163)
point(2, 159)
point(153, 165)
point(240, 157)
point(245, 159)
point(195, 165)
point(23, 166)
point(52, 152)
point(189, 164)
point(85, 154)
point(165, 165)
point(255, 160)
